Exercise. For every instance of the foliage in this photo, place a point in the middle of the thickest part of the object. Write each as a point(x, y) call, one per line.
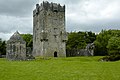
point(72, 68)
point(29, 40)
point(114, 46)
point(102, 39)
point(79, 40)
point(111, 58)
point(2, 47)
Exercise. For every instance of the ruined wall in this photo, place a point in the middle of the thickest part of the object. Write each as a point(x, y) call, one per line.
point(16, 48)
point(49, 33)
point(89, 51)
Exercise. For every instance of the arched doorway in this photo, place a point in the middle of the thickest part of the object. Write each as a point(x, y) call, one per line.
point(55, 54)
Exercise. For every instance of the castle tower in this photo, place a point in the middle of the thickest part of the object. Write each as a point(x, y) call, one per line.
point(49, 33)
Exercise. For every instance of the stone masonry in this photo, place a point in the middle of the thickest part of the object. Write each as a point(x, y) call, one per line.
point(16, 47)
point(49, 33)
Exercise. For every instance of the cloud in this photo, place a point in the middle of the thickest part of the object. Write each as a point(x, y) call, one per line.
point(5, 36)
point(94, 15)
point(21, 8)
point(11, 24)
point(16, 15)
point(85, 15)
point(94, 10)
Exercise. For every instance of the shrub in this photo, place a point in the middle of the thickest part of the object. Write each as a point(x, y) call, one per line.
point(111, 58)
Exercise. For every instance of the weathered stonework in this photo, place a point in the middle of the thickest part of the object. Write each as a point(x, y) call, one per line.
point(49, 33)
point(89, 51)
point(16, 47)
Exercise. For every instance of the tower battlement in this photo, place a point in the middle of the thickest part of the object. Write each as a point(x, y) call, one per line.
point(49, 6)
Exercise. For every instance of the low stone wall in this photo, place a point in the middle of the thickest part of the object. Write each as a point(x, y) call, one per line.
point(2, 56)
point(78, 52)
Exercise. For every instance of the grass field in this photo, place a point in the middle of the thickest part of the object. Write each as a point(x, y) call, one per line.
point(74, 68)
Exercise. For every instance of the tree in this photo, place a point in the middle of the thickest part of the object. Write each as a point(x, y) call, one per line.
point(90, 37)
point(114, 46)
point(2, 47)
point(75, 41)
point(102, 39)
point(79, 40)
point(29, 40)
point(101, 43)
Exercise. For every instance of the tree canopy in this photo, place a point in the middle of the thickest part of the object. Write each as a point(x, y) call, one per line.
point(79, 40)
point(114, 46)
point(2, 47)
point(105, 41)
point(29, 39)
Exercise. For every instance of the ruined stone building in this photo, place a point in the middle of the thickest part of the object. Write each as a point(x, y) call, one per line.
point(88, 51)
point(49, 33)
point(16, 47)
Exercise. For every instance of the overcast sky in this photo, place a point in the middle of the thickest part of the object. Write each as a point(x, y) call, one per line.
point(81, 15)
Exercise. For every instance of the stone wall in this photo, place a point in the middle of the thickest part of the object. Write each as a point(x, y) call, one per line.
point(49, 33)
point(89, 51)
point(16, 47)
point(78, 52)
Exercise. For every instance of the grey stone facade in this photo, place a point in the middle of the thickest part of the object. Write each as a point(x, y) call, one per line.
point(49, 33)
point(89, 51)
point(16, 47)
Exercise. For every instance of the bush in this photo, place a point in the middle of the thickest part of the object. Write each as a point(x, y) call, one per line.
point(111, 58)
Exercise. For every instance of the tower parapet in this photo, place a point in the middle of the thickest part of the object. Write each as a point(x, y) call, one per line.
point(54, 7)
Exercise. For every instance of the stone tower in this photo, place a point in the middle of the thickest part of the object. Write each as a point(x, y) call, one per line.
point(16, 47)
point(49, 33)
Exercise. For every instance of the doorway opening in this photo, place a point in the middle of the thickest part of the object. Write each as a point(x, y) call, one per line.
point(55, 54)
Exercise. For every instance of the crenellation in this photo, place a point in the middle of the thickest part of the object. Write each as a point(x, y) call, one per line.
point(48, 6)
point(37, 6)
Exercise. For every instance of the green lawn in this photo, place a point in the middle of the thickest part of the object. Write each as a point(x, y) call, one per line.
point(74, 68)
